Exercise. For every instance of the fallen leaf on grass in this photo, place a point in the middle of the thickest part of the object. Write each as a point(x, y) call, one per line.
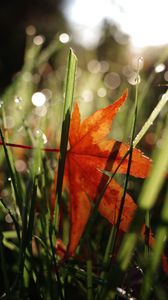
point(90, 151)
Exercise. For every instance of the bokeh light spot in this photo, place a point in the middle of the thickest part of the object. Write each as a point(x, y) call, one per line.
point(39, 40)
point(20, 165)
point(64, 38)
point(30, 30)
point(94, 66)
point(101, 92)
point(160, 68)
point(87, 95)
point(112, 80)
point(38, 99)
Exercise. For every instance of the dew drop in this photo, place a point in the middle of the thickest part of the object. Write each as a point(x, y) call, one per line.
point(140, 59)
point(38, 133)
point(140, 62)
point(134, 79)
point(1, 103)
point(121, 291)
point(44, 138)
point(18, 100)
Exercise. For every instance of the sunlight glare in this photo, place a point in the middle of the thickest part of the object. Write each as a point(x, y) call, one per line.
point(144, 21)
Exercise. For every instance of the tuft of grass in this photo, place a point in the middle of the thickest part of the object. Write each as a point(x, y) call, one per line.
point(30, 266)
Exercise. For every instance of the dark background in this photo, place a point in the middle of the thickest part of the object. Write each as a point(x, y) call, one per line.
point(15, 16)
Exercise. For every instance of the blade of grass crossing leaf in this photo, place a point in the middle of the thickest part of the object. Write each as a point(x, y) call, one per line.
point(144, 129)
point(130, 154)
point(113, 235)
point(69, 92)
point(148, 195)
point(147, 199)
point(149, 122)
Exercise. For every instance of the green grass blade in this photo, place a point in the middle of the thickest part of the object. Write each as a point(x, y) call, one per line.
point(151, 119)
point(69, 91)
point(160, 237)
point(32, 212)
point(157, 174)
point(47, 52)
point(17, 226)
point(89, 280)
point(4, 265)
point(12, 174)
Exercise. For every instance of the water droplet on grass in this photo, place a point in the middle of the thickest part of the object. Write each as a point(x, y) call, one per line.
point(39, 134)
point(1, 103)
point(18, 100)
point(140, 62)
point(134, 79)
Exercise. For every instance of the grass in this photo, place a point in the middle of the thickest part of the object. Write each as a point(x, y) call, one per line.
point(34, 215)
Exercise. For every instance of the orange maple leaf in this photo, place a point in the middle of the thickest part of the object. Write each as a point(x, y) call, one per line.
point(90, 151)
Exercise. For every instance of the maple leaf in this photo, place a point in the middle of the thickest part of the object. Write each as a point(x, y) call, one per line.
point(90, 151)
